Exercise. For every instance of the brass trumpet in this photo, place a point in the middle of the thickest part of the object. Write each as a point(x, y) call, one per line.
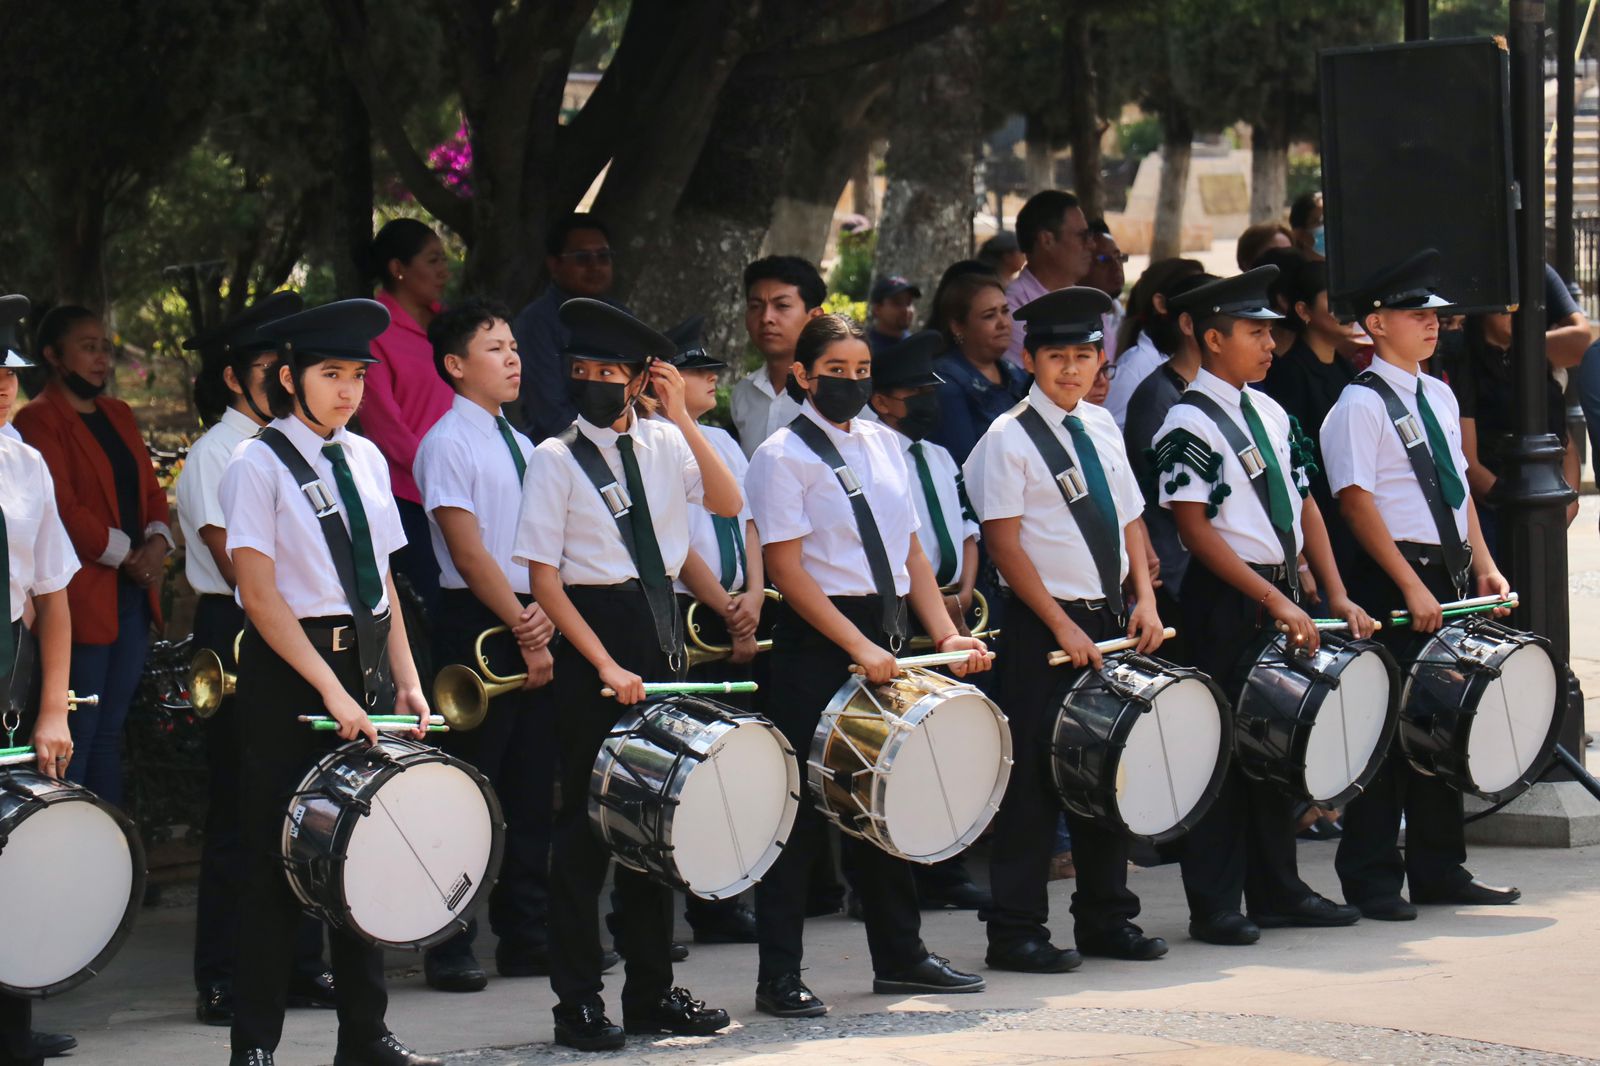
point(980, 627)
point(699, 651)
point(209, 681)
point(462, 694)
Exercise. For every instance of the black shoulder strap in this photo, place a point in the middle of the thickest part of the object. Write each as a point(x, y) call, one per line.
point(663, 606)
point(1255, 468)
point(866, 525)
point(322, 503)
point(1415, 442)
point(1103, 546)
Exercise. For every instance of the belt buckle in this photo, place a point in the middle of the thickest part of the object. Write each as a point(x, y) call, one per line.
point(338, 643)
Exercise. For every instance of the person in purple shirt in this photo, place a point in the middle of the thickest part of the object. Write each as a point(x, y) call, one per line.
point(1052, 229)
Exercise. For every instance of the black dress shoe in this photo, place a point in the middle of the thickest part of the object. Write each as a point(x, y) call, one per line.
point(1314, 911)
point(1125, 941)
point(251, 1057)
point(962, 897)
point(1388, 909)
point(786, 996)
point(586, 1028)
point(315, 990)
point(1473, 893)
point(1228, 928)
point(49, 1045)
point(1033, 956)
point(676, 1013)
point(933, 974)
point(736, 926)
point(384, 1051)
point(215, 1006)
point(458, 973)
point(524, 962)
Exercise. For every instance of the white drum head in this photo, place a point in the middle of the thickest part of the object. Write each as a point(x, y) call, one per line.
point(1348, 728)
point(945, 775)
point(416, 859)
point(732, 808)
point(1169, 757)
point(1513, 719)
point(66, 878)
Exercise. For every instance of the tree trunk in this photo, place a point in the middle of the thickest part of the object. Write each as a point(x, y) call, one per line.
point(1177, 143)
point(351, 189)
point(863, 186)
point(80, 233)
point(1269, 169)
point(1083, 94)
point(1039, 161)
point(928, 204)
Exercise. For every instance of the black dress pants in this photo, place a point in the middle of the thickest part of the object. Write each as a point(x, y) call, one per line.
point(16, 1028)
point(1245, 844)
point(807, 670)
point(620, 618)
point(1022, 841)
point(217, 620)
point(277, 751)
point(1369, 862)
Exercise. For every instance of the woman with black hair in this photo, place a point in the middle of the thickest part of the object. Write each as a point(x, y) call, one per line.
point(979, 383)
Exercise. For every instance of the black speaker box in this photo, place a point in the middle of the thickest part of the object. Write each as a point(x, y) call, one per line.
point(1416, 153)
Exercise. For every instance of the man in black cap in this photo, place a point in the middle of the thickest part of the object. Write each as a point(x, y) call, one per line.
point(1419, 543)
point(891, 307)
point(235, 363)
point(297, 654)
point(1065, 561)
point(1245, 529)
point(599, 587)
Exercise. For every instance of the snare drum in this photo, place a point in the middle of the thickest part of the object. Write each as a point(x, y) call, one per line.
point(916, 766)
point(696, 794)
point(1317, 725)
point(72, 878)
point(1139, 746)
point(1482, 707)
point(395, 842)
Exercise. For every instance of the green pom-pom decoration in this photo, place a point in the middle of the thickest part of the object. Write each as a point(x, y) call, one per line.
point(1172, 486)
point(1211, 510)
point(1182, 479)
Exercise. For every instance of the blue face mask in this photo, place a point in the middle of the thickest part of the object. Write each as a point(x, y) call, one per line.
point(1317, 240)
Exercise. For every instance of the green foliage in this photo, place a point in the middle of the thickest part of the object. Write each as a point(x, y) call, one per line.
point(852, 270)
point(843, 303)
point(1305, 175)
point(1474, 18)
point(1138, 138)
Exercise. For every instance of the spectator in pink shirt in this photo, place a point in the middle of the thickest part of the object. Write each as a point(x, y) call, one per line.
point(404, 396)
point(1055, 235)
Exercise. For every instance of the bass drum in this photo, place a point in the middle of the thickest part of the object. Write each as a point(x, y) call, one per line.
point(1318, 726)
point(1481, 707)
point(1140, 746)
point(72, 877)
point(396, 842)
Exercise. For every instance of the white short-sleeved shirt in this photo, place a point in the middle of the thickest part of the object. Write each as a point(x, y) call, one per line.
point(1132, 367)
point(702, 530)
point(794, 495)
point(1361, 447)
point(200, 501)
point(565, 524)
point(947, 478)
point(758, 412)
point(8, 430)
point(1008, 478)
point(263, 508)
point(463, 462)
point(1241, 520)
point(42, 559)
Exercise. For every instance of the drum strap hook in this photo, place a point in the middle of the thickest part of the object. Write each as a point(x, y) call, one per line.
point(11, 720)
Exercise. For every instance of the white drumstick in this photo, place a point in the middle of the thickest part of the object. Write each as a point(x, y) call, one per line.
point(939, 658)
point(1329, 624)
point(1061, 658)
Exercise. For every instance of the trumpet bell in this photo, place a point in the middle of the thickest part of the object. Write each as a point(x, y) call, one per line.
point(209, 683)
point(460, 695)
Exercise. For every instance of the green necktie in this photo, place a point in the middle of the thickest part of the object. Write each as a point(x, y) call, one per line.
point(652, 571)
point(1449, 481)
point(511, 442)
point(368, 585)
point(941, 529)
point(730, 546)
point(1094, 478)
point(1281, 510)
point(8, 645)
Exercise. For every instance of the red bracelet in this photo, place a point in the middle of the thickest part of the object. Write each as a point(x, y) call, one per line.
point(940, 646)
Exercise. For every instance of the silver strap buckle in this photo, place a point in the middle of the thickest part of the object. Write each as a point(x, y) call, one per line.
point(1250, 459)
point(848, 480)
point(616, 499)
point(1410, 432)
point(1072, 483)
point(322, 501)
point(337, 642)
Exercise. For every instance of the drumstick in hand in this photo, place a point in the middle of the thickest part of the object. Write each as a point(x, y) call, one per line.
point(1061, 658)
point(938, 658)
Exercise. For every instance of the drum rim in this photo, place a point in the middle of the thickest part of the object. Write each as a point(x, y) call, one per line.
point(75, 793)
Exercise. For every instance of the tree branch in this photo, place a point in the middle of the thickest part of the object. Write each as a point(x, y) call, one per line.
point(816, 60)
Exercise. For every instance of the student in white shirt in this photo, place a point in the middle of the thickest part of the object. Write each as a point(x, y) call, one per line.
point(1402, 562)
point(781, 294)
point(469, 469)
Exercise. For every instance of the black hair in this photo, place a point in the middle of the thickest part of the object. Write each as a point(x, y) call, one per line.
point(1165, 332)
point(1280, 294)
point(452, 330)
point(280, 401)
point(1158, 277)
point(56, 324)
point(1304, 283)
point(820, 334)
point(555, 238)
point(211, 393)
point(1304, 204)
point(1100, 226)
point(788, 270)
point(400, 238)
point(937, 317)
point(1043, 213)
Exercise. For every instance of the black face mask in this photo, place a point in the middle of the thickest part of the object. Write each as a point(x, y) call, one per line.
point(841, 399)
point(80, 387)
point(600, 403)
point(922, 416)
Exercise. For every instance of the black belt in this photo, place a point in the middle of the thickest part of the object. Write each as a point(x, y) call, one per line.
point(1100, 604)
point(1278, 575)
point(338, 634)
point(633, 584)
point(1431, 555)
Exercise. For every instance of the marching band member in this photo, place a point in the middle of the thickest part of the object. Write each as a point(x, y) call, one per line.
point(311, 643)
point(1064, 563)
point(604, 529)
point(845, 566)
point(469, 468)
point(1245, 528)
point(40, 563)
point(1419, 543)
point(235, 365)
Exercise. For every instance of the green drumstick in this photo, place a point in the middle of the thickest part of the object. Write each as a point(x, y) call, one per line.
point(328, 725)
point(666, 688)
point(1403, 618)
point(17, 756)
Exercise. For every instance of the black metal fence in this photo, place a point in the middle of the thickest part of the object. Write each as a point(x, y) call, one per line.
point(1585, 261)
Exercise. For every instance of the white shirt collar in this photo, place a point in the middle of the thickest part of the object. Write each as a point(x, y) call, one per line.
point(1208, 382)
point(1398, 377)
point(475, 416)
point(306, 441)
point(239, 422)
point(606, 437)
point(763, 382)
point(1047, 407)
point(838, 435)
